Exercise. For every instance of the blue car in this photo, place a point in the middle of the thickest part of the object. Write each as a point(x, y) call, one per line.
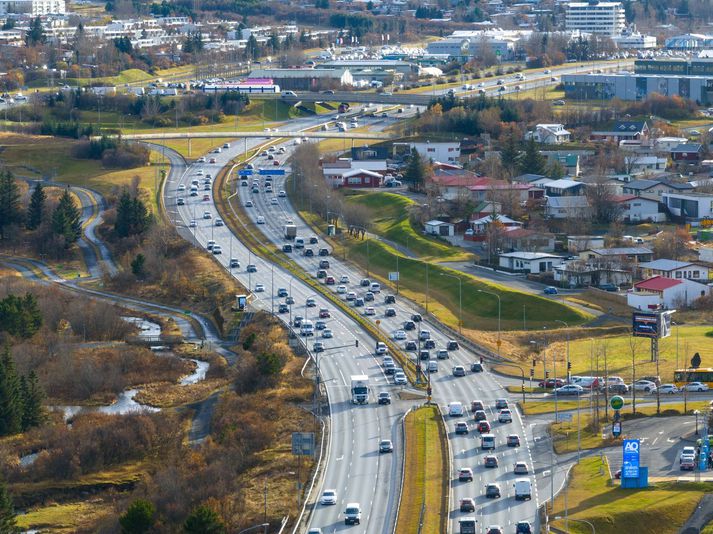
point(550, 290)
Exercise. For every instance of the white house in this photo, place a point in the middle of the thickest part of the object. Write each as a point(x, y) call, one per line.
point(667, 293)
point(441, 228)
point(578, 243)
point(645, 164)
point(530, 262)
point(446, 152)
point(691, 207)
point(550, 134)
point(639, 209)
point(567, 207)
point(674, 269)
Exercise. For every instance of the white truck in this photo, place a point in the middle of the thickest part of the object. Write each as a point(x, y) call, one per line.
point(523, 489)
point(360, 389)
point(290, 231)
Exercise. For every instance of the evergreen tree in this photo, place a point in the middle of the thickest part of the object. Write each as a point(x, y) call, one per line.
point(36, 209)
point(137, 265)
point(20, 316)
point(10, 396)
point(555, 170)
point(10, 212)
point(7, 512)
point(65, 220)
point(139, 517)
point(415, 171)
point(132, 217)
point(509, 154)
point(33, 396)
point(532, 162)
point(36, 34)
point(203, 520)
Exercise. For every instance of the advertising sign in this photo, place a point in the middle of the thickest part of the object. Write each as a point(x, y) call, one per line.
point(616, 429)
point(630, 465)
point(616, 402)
point(645, 324)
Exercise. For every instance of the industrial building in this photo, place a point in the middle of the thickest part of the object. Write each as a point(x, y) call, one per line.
point(306, 79)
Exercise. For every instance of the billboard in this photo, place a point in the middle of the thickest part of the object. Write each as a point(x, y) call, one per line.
point(630, 464)
point(645, 324)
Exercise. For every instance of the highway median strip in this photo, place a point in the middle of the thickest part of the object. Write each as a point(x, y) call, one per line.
point(424, 505)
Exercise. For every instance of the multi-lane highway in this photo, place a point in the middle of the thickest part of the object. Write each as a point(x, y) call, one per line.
point(355, 468)
point(276, 211)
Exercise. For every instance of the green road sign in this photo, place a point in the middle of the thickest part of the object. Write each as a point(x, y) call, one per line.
point(616, 402)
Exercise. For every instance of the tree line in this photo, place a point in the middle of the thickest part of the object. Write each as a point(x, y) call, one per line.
point(21, 398)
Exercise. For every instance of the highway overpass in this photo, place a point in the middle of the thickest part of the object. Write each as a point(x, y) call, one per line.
point(353, 97)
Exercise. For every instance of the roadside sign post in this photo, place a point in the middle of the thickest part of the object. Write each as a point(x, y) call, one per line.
point(616, 403)
point(705, 450)
point(394, 277)
point(630, 464)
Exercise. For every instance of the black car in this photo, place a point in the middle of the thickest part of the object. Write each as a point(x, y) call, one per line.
point(313, 240)
point(619, 389)
point(409, 325)
point(287, 248)
point(384, 397)
point(390, 299)
point(324, 252)
point(416, 318)
point(324, 264)
point(429, 344)
point(321, 274)
point(411, 345)
point(425, 355)
point(452, 345)
point(309, 252)
point(282, 308)
point(523, 527)
point(608, 287)
point(476, 367)
point(365, 282)
point(390, 312)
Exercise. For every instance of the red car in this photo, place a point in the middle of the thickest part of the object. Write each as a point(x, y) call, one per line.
point(330, 281)
point(276, 163)
point(552, 383)
point(212, 160)
point(483, 427)
point(206, 198)
point(324, 313)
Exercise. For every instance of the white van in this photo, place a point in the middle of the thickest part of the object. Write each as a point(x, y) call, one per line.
point(432, 366)
point(375, 287)
point(299, 242)
point(523, 489)
point(307, 328)
point(487, 441)
point(455, 409)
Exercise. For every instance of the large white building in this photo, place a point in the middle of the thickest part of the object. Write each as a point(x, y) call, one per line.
point(603, 18)
point(33, 7)
point(442, 152)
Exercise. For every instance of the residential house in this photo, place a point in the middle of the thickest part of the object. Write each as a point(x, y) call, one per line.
point(568, 160)
point(480, 226)
point(666, 144)
point(528, 241)
point(674, 269)
point(440, 228)
point(638, 209)
point(689, 207)
point(567, 207)
point(549, 134)
point(580, 273)
point(361, 178)
point(529, 262)
point(564, 188)
point(334, 171)
point(618, 255)
point(529, 178)
point(687, 153)
point(665, 293)
point(448, 152)
point(578, 243)
point(641, 164)
point(623, 131)
point(654, 189)
point(484, 208)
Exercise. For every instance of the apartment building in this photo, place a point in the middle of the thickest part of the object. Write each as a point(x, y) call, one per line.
point(603, 18)
point(33, 7)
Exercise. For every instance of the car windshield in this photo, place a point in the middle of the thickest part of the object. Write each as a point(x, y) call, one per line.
point(352, 510)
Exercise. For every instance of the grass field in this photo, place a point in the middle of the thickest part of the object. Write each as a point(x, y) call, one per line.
point(66, 518)
point(591, 496)
point(391, 221)
point(124, 77)
point(425, 483)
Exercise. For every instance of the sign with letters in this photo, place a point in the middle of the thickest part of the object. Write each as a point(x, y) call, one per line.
point(630, 465)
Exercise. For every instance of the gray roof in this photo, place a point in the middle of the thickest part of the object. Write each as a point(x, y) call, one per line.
point(568, 202)
point(665, 264)
point(297, 73)
point(688, 147)
point(642, 184)
point(621, 251)
point(529, 255)
point(563, 183)
point(528, 177)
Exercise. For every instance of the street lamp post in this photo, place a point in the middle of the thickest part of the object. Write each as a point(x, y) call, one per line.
point(460, 300)
point(499, 302)
point(254, 527)
point(696, 413)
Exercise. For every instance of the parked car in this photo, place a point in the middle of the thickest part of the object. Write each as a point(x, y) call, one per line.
point(644, 385)
point(551, 383)
point(618, 389)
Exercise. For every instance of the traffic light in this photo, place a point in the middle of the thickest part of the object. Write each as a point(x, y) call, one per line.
point(534, 363)
point(569, 366)
point(356, 342)
point(532, 373)
point(547, 375)
point(522, 387)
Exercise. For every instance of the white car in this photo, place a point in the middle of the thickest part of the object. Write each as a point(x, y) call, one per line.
point(696, 386)
point(207, 215)
point(282, 194)
point(668, 389)
point(369, 311)
point(260, 219)
point(341, 289)
point(400, 335)
point(259, 288)
point(505, 416)
point(344, 279)
point(219, 222)
point(647, 386)
point(326, 333)
point(274, 201)
point(400, 378)
point(351, 295)
point(181, 187)
point(329, 496)
point(193, 223)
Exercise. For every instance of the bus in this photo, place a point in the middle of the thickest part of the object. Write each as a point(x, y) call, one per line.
point(681, 377)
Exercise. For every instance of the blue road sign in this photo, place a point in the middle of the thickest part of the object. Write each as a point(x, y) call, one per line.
point(245, 172)
point(273, 172)
point(630, 465)
point(303, 443)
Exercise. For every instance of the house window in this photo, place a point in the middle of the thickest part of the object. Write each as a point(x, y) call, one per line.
point(696, 274)
point(430, 150)
point(354, 180)
point(451, 149)
point(678, 274)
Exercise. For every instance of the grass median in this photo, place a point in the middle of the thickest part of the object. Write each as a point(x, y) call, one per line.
point(425, 485)
point(592, 497)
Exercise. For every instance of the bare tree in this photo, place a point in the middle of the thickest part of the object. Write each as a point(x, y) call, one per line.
point(604, 208)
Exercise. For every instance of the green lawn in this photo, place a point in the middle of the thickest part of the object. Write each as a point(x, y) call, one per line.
point(427, 481)
point(391, 220)
point(691, 339)
point(124, 77)
point(592, 496)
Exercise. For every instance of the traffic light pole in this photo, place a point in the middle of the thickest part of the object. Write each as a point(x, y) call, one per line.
point(522, 373)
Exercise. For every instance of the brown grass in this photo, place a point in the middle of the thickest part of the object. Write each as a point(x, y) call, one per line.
point(169, 395)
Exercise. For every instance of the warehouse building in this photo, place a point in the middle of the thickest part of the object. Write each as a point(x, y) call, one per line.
point(306, 79)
